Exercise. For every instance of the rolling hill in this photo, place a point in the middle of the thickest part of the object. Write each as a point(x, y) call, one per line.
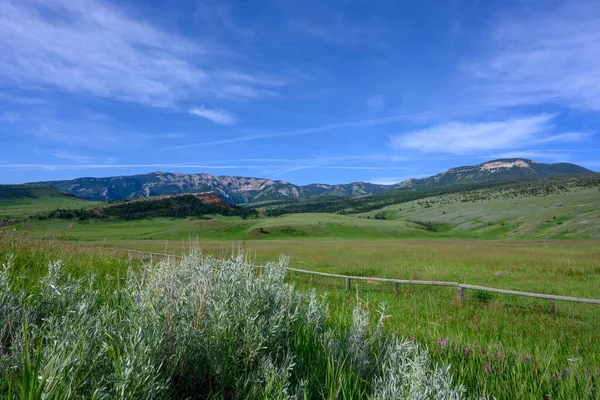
point(20, 200)
point(32, 191)
point(169, 206)
point(566, 207)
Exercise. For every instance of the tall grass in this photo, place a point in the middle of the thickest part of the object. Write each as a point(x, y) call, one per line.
point(200, 327)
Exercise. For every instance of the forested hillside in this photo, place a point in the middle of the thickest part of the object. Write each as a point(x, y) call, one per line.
point(171, 207)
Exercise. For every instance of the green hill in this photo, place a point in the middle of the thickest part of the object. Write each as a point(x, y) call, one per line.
point(22, 200)
point(553, 208)
point(298, 226)
point(180, 206)
point(33, 191)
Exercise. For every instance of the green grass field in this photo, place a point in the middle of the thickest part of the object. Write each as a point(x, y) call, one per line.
point(535, 344)
point(28, 206)
point(509, 347)
point(226, 228)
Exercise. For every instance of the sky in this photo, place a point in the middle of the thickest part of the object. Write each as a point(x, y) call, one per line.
point(302, 91)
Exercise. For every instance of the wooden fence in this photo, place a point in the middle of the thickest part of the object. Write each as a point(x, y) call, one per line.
point(460, 287)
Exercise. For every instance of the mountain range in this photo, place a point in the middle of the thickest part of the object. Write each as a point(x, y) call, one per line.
point(242, 190)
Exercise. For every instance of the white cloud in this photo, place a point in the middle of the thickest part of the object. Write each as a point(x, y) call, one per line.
point(217, 116)
point(467, 138)
point(92, 47)
point(547, 56)
point(389, 180)
point(318, 129)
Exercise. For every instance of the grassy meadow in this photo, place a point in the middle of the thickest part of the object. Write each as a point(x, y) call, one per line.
point(22, 207)
point(496, 346)
point(201, 327)
point(224, 228)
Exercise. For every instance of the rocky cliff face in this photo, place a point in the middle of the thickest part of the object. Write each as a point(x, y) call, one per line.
point(241, 190)
point(235, 190)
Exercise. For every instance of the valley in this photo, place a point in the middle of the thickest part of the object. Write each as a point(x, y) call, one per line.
point(538, 234)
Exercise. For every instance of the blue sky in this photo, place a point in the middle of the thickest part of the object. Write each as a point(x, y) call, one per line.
point(304, 91)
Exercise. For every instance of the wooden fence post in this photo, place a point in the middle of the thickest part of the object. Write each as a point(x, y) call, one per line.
point(312, 280)
point(396, 288)
point(552, 307)
point(460, 294)
point(347, 284)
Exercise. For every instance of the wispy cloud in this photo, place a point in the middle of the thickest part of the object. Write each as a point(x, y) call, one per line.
point(93, 47)
point(217, 116)
point(59, 167)
point(467, 138)
point(20, 100)
point(544, 56)
point(392, 180)
point(72, 157)
point(318, 129)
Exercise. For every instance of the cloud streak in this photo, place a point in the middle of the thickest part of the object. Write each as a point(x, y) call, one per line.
point(468, 138)
point(217, 116)
point(545, 56)
point(72, 157)
point(318, 129)
point(94, 48)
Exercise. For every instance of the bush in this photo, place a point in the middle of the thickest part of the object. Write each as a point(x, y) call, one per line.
point(200, 327)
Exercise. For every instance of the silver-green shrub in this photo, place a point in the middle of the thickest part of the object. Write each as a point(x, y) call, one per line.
point(200, 327)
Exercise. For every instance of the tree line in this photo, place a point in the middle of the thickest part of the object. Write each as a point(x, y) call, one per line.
point(171, 207)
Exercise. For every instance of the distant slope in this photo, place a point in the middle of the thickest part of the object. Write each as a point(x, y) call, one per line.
point(33, 191)
point(242, 190)
point(303, 226)
point(236, 190)
point(174, 206)
point(507, 169)
point(551, 208)
point(21, 200)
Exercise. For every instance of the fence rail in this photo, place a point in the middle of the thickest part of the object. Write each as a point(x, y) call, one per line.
point(460, 287)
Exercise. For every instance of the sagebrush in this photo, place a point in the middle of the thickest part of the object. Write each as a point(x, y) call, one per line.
point(200, 327)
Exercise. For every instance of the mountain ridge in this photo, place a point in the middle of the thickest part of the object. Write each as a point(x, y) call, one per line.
point(242, 190)
point(495, 170)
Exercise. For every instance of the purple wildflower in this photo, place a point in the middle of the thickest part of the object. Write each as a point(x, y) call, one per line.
point(442, 342)
point(500, 356)
point(487, 368)
point(554, 377)
point(412, 339)
point(522, 356)
point(466, 352)
point(567, 371)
